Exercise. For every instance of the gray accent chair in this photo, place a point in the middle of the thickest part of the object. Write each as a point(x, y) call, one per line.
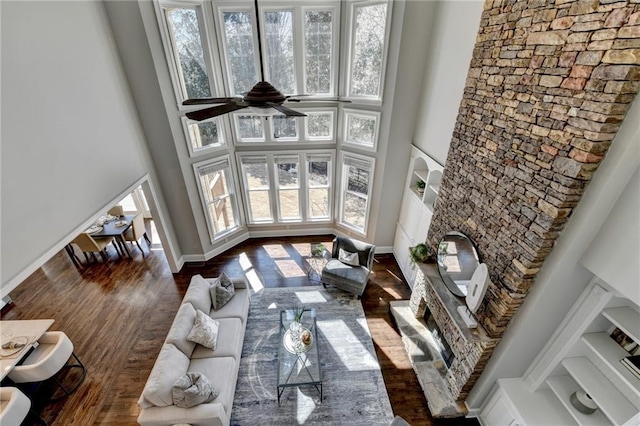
point(349, 278)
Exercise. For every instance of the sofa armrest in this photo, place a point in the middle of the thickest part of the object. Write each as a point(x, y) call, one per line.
point(208, 414)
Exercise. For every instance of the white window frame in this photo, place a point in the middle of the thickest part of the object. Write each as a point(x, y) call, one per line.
point(372, 115)
point(193, 151)
point(175, 71)
point(232, 195)
point(303, 185)
point(344, 159)
point(248, 141)
point(351, 16)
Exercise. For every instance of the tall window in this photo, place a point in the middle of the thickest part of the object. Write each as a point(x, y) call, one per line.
point(188, 51)
point(287, 168)
point(319, 176)
point(368, 49)
point(281, 70)
point(255, 174)
point(318, 51)
point(357, 177)
point(215, 182)
point(239, 51)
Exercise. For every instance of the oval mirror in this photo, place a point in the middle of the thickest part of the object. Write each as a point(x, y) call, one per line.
point(457, 261)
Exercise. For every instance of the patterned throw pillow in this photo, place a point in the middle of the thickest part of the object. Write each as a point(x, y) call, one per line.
point(348, 258)
point(204, 331)
point(222, 291)
point(193, 389)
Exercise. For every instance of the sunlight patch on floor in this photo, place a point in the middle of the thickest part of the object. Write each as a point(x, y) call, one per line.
point(305, 406)
point(275, 251)
point(289, 269)
point(254, 281)
point(353, 354)
point(312, 296)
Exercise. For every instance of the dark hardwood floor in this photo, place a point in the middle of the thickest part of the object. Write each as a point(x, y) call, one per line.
point(118, 314)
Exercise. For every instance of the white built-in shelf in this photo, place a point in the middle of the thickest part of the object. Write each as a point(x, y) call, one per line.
point(608, 398)
point(434, 188)
point(563, 387)
point(607, 350)
point(422, 174)
point(626, 319)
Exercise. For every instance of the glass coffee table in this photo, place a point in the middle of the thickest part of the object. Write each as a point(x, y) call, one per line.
point(298, 364)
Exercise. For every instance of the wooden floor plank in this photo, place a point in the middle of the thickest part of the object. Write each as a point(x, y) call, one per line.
point(118, 314)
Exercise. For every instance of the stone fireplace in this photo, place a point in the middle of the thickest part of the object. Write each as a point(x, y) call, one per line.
point(549, 84)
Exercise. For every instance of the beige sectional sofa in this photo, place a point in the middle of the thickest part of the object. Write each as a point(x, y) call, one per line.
point(179, 356)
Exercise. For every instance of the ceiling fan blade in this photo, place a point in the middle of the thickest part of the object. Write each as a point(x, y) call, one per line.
point(320, 100)
point(215, 111)
point(204, 101)
point(286, 111)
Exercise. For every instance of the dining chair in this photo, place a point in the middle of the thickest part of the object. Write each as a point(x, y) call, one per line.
point(137, 231)
point(88, 244)
point(49, 358)
point(116, 210)
point(14, 406)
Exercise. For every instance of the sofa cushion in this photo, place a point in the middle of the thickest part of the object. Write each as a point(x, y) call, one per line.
point(230, 338)
point(222, 373)
point(170, 365)
point(181, 327)
point(238, 306)
point(198, 294)
point(193, 389)
point(222, 291)
point(204, 331)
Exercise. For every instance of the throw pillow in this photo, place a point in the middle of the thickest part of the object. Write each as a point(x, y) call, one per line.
point(193, 389)
point(204, 331)
point(348, 258)
point(221, 291)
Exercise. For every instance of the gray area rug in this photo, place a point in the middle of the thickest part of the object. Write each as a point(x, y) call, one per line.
point(354, 392)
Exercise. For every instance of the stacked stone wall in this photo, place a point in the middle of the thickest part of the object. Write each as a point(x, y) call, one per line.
point(549, 84)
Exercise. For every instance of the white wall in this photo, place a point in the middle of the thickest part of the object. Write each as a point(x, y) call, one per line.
point(71, 140)
point(614, 254)
point(562, 278)
point(401, 102)
point(451, 48)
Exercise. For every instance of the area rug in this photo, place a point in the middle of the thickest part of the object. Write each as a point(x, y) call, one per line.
point(354, 392)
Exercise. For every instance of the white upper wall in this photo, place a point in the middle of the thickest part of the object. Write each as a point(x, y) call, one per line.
point(454, 35)
point(614, 254)
point(71, 140)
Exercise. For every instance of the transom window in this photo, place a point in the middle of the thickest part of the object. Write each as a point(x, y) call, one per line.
point(317, 126)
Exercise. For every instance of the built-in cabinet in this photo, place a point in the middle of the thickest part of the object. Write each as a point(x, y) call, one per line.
point(420, 193)
point(580, 355)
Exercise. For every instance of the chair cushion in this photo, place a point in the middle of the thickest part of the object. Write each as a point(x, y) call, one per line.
point(337, 270)
point(181, 327)
point(198, 294)
point(204, 331)
point(170, 365)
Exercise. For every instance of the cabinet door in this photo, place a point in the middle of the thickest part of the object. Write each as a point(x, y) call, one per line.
point(497, 412)
point(401, 246)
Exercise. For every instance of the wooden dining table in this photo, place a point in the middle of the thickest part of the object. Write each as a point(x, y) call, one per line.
point(111, 229)
point(19, 331)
